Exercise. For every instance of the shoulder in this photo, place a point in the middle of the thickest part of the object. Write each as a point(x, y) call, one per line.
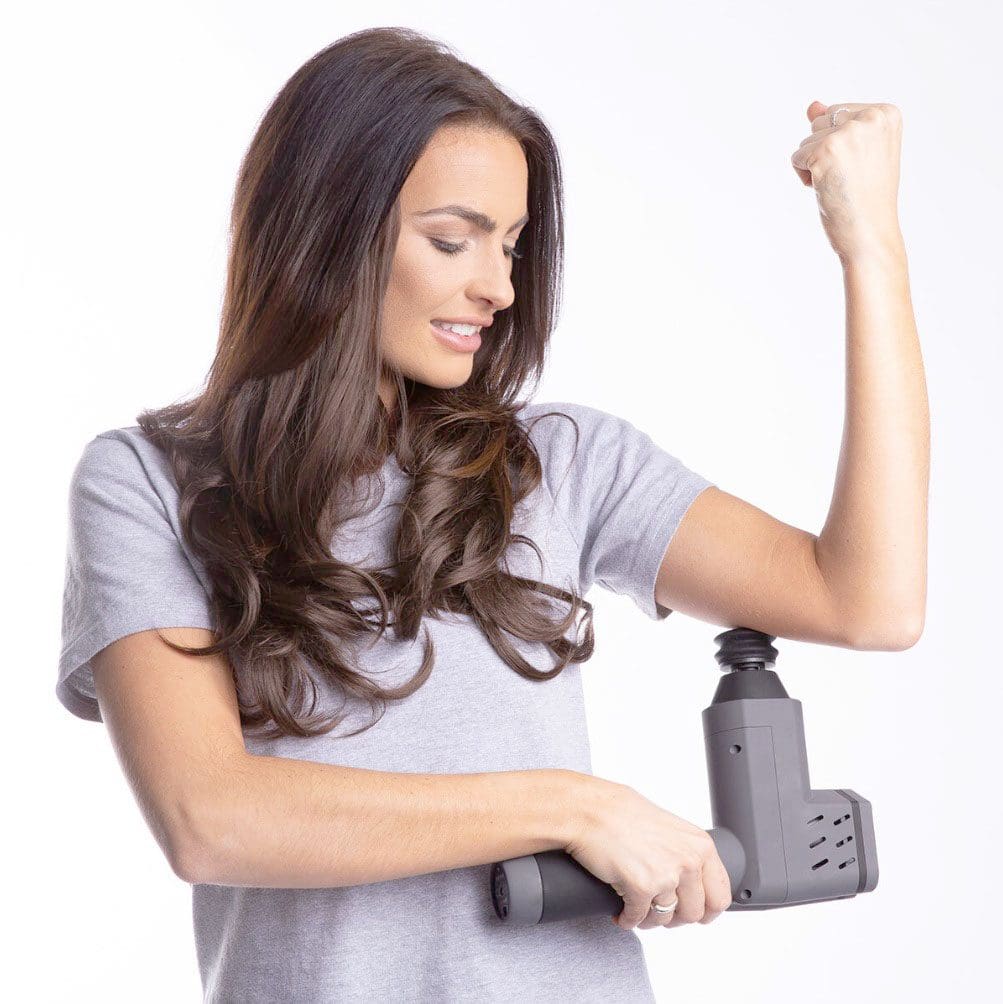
point(564, 430)
point(532, 410)
point(560, 423)
point(122, 462)
point(116, 447)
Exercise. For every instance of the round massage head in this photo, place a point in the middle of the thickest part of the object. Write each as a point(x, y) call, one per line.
point(517, 890)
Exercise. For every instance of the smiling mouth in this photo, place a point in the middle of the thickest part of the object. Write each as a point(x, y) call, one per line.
point(452, 340)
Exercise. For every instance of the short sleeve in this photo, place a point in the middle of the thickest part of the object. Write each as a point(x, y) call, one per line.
point(126, 570)
point(621, 495)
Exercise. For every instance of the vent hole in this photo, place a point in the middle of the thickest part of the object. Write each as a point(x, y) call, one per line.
point(849, 861)
point(824, 861)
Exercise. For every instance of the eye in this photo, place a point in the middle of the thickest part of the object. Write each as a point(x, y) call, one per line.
point(448, 248)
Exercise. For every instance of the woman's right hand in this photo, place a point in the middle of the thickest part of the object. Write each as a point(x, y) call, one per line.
point(646, 853)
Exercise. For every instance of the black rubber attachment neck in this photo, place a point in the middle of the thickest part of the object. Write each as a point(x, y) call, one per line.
point(740, 651)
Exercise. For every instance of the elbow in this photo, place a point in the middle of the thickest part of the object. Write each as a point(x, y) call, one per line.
point(190, 856)
point(884, 637)
point(205, 850)
point(189, 863)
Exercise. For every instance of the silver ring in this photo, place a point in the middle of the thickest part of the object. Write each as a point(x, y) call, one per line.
point(834, 113)
point(665, 909)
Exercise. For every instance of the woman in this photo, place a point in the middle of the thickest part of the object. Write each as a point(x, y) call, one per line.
point(250, 571)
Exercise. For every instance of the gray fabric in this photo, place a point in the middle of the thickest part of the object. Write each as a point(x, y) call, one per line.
point(604, 514)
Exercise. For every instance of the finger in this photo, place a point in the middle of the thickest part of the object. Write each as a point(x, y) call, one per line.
point(720, 894)
point(635, 910)
point(824, 120)
point(821, 132)
point(656, 919)
point(717, 891)
point(805, 156)
point(690, 892)
point(659, 918)
point(800, 157)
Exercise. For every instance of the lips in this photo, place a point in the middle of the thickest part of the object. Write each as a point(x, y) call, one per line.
point(459, 343)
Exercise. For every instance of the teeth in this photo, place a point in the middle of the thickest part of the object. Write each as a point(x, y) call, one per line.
point(459, 329)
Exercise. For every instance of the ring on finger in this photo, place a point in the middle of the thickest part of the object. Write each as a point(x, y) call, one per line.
point(664, 909)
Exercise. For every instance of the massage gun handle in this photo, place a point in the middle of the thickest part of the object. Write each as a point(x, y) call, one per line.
point(552, 885)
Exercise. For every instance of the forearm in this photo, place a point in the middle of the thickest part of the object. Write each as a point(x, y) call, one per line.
point(285, 823)
point(873, 547)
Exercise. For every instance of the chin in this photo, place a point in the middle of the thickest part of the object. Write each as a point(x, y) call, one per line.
point(447, 381)
point(446, 377)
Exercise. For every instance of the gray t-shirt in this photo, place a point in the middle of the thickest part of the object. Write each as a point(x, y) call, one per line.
point(604, 514)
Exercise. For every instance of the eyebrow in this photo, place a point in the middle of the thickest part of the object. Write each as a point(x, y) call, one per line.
point(479, 220)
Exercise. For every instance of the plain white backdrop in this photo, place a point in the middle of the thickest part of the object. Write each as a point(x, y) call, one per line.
point(702, 302)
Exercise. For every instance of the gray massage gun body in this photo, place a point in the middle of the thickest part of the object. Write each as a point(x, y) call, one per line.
point(781, 842)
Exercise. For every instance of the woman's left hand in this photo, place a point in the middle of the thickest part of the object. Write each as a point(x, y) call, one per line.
point(854, 169)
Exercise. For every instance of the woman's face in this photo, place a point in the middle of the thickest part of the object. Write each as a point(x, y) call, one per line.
point(462, 167)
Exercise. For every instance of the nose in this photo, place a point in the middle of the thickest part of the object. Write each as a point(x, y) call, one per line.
point(492, 281)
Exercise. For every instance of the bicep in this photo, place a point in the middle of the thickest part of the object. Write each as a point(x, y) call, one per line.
point(731, 563)
point(175, 727)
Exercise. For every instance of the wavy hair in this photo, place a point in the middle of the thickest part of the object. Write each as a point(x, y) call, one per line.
point(266, 455)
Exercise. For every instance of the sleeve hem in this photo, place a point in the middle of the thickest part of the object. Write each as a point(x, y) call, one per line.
point(652, 549)
point(75, 685)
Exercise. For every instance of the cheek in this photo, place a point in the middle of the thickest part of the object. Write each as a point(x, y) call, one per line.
point(423, 283)
point(419, 282)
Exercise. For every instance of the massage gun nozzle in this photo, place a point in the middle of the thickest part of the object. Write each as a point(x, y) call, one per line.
point(745, 648)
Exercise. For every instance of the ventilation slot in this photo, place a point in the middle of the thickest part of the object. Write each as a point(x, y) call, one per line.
point(821, 840)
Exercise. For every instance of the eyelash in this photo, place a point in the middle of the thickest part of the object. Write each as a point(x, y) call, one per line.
point(447, 248)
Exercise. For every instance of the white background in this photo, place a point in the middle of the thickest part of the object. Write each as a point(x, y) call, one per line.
point(703, 302)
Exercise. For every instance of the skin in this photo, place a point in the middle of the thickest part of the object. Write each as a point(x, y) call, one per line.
point(487, 171)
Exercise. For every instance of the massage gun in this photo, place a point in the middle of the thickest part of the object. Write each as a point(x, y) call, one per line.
point(780, 842)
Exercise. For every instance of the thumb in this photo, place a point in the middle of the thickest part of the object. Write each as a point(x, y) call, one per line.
point(815, 109)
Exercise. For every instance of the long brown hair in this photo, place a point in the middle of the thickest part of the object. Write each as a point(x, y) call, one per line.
point(290, 412)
